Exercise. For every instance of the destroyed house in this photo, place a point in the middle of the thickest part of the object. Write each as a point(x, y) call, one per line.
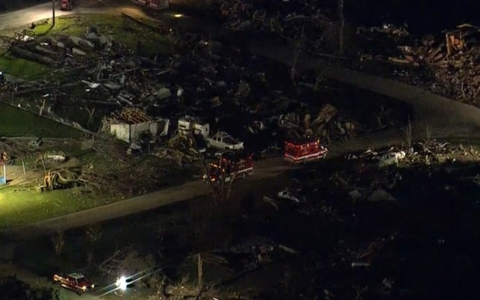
point(131, 123)
point(461, 38)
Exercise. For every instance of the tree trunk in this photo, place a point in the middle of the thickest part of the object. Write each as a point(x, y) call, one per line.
point(200, 270)
point(341, 28)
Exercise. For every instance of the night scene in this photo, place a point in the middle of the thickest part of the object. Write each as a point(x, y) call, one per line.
point(239, 150)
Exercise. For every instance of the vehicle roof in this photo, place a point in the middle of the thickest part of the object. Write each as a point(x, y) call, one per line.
point(188, 119)
point(223, 134)
point(235, 155)
point(76, 275)
point(301, 141)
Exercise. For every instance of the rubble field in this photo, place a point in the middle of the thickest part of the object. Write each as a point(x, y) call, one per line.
point(383, 229)
point(391, 223)
point(442, 62)
point(105, 86)
point(101, 83)
point(49, 177)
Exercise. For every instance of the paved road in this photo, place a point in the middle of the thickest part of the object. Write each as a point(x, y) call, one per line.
point(24, 17)
point(266, 169)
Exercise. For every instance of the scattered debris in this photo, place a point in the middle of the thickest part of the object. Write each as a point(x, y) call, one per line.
point(443, 63)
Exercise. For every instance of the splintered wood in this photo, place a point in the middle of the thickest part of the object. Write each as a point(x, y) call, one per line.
point(130, 116)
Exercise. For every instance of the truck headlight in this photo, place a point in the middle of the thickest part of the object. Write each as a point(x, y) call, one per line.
point(121, 283)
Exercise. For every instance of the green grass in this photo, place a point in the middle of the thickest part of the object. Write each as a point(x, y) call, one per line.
point(22, 205)
point(25, 207)
point(116, 26)
point(16, 122)
point(20, 67)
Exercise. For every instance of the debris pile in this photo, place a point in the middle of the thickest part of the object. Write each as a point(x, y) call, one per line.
point(286, 20)
point(328, 124)
point(205, 79)
point(446, 64)
point(374, 176)
point(254, 251)
point(368, 190)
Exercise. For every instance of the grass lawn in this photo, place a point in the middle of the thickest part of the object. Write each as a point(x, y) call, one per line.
point(16, 122)
point(116, 26)
point(25, 207)
point(20, 67)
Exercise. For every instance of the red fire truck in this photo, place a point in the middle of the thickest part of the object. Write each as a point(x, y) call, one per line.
point(231, 166)
point(155, 4)
point(304, 150)
point(67, 4)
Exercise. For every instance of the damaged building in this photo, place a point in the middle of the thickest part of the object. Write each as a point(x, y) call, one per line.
point(131, 123)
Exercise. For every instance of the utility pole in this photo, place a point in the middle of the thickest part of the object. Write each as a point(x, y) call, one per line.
point(53, 13)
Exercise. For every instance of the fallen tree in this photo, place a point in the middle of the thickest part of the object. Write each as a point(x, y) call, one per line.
point(33, 56)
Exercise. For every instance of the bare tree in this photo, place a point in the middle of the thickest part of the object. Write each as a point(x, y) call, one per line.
point(341, 28)
point(42, 107)
point(200, 271)
point(408, 133)
point(58, 240)
point(428, 134)
point(128, 261)
point(93, 233)
point(320, 79)
point(222, 189)
point(297, 48)
point(90, 115)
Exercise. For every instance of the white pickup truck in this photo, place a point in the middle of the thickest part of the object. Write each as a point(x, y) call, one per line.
point(222, 140)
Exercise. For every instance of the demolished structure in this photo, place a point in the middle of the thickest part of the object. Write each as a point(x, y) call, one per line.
point(131, 123)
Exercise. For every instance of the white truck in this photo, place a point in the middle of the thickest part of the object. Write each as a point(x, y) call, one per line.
point(222, 140)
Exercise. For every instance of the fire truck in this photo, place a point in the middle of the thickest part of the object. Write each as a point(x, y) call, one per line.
point(154, 4)
point(74, 281)
point(231, 165)
point(67, 4)
point(304, 150)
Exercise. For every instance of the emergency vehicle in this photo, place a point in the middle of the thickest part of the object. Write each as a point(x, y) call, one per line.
point(304, 150)
point(230, 165)
point(74, 281)
point(155, 4)
point(67, 4)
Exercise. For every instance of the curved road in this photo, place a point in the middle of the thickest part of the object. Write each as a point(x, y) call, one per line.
point(265, 169)
point(25, 17)
point(443, 117)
